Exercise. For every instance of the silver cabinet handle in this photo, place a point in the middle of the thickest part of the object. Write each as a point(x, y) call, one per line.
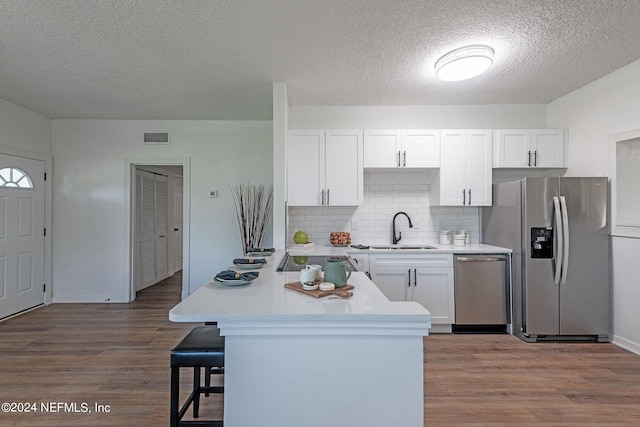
point(398, 158)
point(409, 280)
point(404, 158)
point(529, 158)
point(469, 197)
point(481, 259)
point(323, 197)
point(327, 196)
point(535, 158)
point(415, 277)
point(464, 198)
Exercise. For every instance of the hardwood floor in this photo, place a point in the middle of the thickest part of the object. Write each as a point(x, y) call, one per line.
point(118, 355)
point(499, 380)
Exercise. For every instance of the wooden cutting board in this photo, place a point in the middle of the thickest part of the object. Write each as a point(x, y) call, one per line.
point(341, 292)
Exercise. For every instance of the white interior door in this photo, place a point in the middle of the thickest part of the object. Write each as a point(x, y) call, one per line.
point(21, 234)
point(151, 244)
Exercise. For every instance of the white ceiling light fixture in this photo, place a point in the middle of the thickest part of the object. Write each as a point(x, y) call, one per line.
point(464, 63)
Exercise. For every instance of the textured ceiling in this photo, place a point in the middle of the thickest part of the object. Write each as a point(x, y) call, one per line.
point(153, 59)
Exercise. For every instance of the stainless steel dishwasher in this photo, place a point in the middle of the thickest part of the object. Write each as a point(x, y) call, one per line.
point(481, 293)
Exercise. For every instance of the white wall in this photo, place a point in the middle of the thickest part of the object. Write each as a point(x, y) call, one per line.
point(389, 191)
point(90, 238)
point(419, 117)
point(592, 113)
point(23, 131)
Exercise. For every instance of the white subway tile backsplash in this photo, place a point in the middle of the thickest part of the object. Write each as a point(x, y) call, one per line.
point(385, 193)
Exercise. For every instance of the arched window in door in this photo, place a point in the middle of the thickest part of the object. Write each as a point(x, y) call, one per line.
point(14, 178)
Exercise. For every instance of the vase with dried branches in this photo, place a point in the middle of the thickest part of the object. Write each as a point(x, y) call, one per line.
point(254, 206)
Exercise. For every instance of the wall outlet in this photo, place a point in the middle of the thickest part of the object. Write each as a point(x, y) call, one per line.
point(213, 193)
point(354, 224)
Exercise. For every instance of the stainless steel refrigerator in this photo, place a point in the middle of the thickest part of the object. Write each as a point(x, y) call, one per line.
point(558, 230)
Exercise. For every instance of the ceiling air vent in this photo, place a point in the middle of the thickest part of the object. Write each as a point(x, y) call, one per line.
point(156, 138)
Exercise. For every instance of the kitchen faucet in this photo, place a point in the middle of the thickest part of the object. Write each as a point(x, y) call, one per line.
point(397, 239)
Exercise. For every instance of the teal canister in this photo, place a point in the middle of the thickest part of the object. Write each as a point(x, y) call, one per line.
point(337, 272)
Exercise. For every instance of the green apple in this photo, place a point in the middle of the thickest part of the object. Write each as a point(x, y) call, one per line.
point(300, 237)
point(300, 260)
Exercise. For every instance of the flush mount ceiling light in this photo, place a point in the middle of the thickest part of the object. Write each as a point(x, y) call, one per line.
point(464, 63)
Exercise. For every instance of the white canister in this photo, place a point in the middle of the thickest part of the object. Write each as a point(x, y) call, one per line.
point(445, 237)
point(307, 276)
point(467, 236)
point(458, 240)
point(317, 270)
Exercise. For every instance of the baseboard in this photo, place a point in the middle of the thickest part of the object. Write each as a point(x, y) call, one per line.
point(440, 329)
point(88, 299)
point(626, 344)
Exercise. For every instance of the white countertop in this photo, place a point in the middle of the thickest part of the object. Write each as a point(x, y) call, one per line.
point(266, 299)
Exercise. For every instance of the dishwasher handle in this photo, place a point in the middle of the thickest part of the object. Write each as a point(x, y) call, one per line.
point(481, 258)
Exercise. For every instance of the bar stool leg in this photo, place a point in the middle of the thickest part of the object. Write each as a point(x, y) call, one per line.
point(207, 379)
point(175, 391)
point(196, 386)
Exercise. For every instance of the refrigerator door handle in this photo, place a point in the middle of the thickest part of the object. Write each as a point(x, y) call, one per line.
point(565, 239)
point(559, 239)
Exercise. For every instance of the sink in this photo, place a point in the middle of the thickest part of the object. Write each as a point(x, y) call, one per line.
point(403, 247)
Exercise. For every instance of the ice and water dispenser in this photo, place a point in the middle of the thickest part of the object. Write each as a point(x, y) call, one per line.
point(541, 242)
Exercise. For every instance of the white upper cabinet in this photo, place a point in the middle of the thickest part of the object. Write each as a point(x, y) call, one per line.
point(465, 168)
point(530, 148)
point(402, 149)
point(421, 148)
point(382, 148)
point(324, 168)
point(344, 171)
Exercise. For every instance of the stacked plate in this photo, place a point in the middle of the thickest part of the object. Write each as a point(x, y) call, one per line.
point(260, 252)
point(235, 278)
point(249, 263)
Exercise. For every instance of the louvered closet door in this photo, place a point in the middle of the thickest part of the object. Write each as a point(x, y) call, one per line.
point(162, 241)
point(151, 229)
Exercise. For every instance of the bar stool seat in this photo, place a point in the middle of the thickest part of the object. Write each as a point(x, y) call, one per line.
point(203, 347)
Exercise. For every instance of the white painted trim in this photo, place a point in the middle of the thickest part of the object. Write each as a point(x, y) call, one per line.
point(280, 128)
point(626, 344)
point(90, 299)
point(130, 166)
point(617, 230)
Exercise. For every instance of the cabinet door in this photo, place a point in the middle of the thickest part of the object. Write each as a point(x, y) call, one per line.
point(382, 148)
point(512, 148)
point(452, 167)
point(344, 172)
point(433, 289)
point(393, 282)
point(361, 262)
point(548, 146)
point(478, 167)
point(421, 148)
point(305, 168)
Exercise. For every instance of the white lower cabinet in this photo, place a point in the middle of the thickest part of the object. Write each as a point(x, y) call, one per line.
point(361, 262)
point(423, 278)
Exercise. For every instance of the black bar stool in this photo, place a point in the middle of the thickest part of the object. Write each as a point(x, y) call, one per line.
point(203, 347)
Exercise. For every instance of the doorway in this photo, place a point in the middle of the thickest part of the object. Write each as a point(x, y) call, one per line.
point(158, 222)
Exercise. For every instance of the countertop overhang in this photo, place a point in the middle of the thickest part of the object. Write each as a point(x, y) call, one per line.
point(266, 307)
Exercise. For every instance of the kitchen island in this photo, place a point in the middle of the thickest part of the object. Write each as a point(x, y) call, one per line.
point(295, 360)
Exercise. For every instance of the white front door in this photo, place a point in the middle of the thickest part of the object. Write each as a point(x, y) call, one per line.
point(21, 234)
